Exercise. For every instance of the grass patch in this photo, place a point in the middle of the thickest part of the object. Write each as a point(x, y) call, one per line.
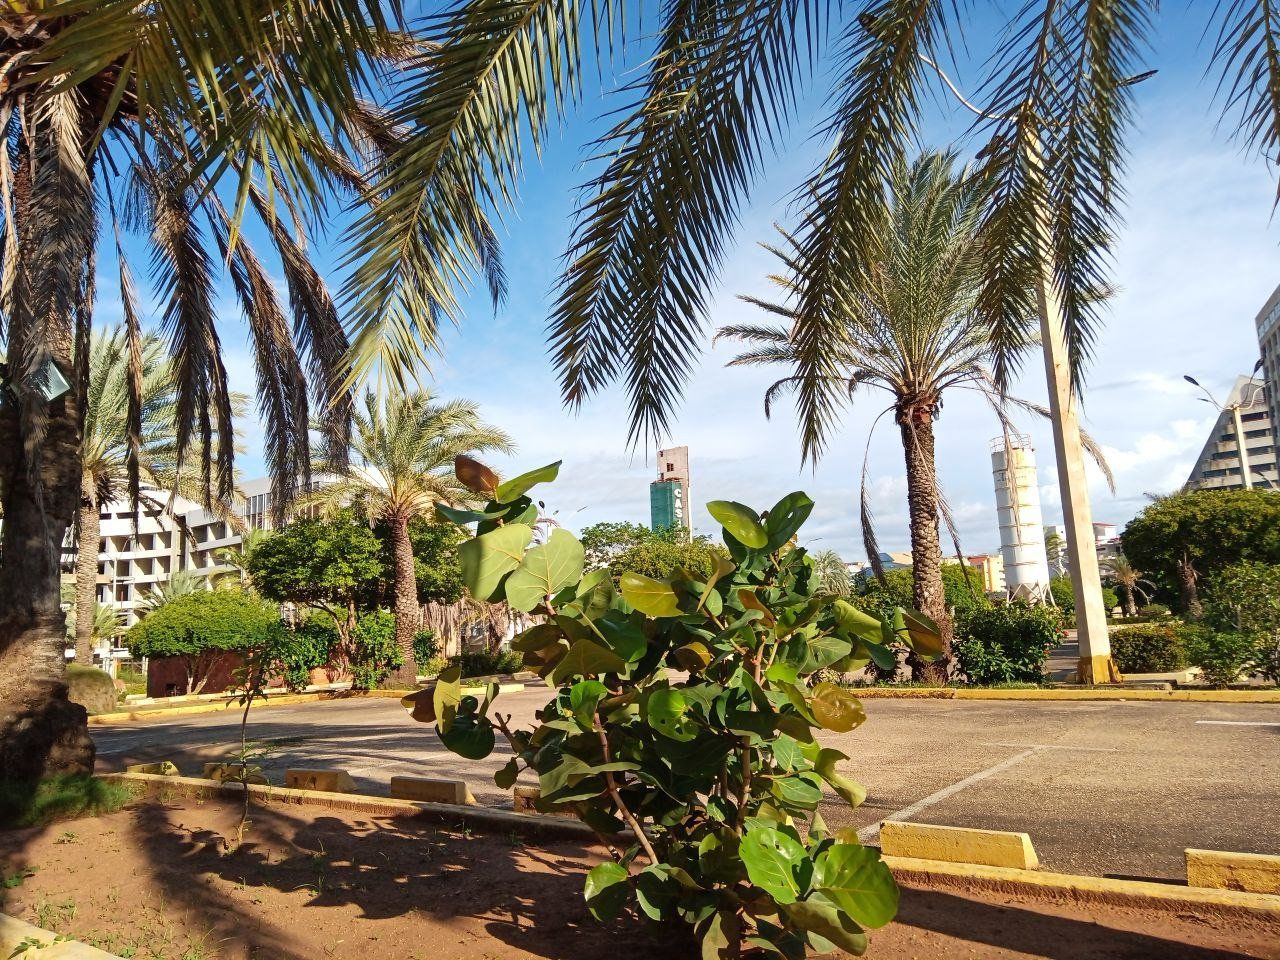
point(134, 680)
point(60, 798)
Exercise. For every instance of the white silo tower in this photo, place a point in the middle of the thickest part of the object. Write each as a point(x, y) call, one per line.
point(1026, 567)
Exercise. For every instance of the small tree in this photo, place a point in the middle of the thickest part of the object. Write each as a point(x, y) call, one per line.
point(632, 547)
point(200, 627)
point(325, 565)
point(1131, 583)
point(708, 773)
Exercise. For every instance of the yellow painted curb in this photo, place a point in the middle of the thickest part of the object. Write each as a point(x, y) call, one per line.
point(927, 841)
point(325, 781)
point(431, 790)
point(1140, 894)
point(954, 693)
point(1223, 870)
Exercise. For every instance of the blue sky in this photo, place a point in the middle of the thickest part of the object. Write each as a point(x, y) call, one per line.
point(1196, 259)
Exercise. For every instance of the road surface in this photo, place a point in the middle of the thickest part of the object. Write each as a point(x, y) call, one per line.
point(1115, 788)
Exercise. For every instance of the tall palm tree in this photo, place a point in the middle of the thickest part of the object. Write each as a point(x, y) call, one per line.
point(909, 326)
point(1130, 582)
point(400, 466)
point(180, 583)
point(106, 447)
point(832, 573)
point(176, 128)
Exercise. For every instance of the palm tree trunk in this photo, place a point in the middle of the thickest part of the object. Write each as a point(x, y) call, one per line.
point(41, 732)
point(408, 610)
point(88, 540)
point(1187, 577)
point(1130, 608)
point(916, 424)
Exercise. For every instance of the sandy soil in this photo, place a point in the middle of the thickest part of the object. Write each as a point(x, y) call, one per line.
point(156, 882)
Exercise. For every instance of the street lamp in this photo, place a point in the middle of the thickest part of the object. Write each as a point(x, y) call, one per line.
point(1095, 663)
point(1246, 471)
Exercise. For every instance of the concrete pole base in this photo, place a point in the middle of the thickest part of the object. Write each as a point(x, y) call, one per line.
point(1098, 670)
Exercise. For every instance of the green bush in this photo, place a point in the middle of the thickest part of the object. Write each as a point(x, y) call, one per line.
point(1153, 611)
point(1064, 596)
point(92, 688)
point(1148, 648)
point(1006, 643)
point(1222, 656)
point(426, 648)
point(306, 647)
point(200, 626)
point(374, 650)
point(716, 776)
point(486, 663)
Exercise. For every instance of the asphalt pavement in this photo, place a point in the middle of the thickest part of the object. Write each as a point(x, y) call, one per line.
point(1108, 788)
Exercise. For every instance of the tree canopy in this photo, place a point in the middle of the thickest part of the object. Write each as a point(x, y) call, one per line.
point(204, 621)
point(323, 564)
point(625, 547)
point(1209, 529)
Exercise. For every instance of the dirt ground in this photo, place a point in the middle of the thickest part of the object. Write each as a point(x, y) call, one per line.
point(155, 882)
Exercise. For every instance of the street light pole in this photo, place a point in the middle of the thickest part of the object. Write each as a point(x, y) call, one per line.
point(1242, 449)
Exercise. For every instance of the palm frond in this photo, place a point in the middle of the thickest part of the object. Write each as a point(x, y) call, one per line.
point(1246, 51)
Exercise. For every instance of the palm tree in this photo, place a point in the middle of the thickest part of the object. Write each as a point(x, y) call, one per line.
point(180, 584)
point(106, 447)
point(401, 465)
point(909, 326)
point(1129, 580)
point(199, 119)
point(832, 573)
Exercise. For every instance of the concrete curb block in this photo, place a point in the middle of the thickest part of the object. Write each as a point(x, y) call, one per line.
point(927, 841)
point(14, 933)
point(949, 693)
point(1139, 894)
point(453, 814)
point(1223, 870)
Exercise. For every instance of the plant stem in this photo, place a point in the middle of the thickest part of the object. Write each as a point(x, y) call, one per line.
point(612, 784)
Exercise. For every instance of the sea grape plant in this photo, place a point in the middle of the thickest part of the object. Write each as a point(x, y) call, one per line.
point(685, 728)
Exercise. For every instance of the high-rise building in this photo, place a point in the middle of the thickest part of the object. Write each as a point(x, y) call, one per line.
point(1268, 323)
point(1218, 466)
point(669, 494)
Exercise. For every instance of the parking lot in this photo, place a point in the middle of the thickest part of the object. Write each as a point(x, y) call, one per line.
point(1114, 788)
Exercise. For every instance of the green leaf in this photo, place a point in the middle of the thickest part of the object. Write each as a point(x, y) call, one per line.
point(820, 916)
point(797, 791)
point(741, 521)
point(787, 516)
point(584, 658)
point(836, 708)
point(538, 636)
point(507, 775)
point(470, 736)
point(463, 517)
point(606, 890)
point(921, 633)
point(623, 637)
point(824, 765)
point(855, 622)
point(446, 695)
point(771, 858)
point(655, 598)
point(546, 570)
point(668, 712)
point(720, 936)
point(692, 657)
point(595, 594)
point(517, 487)
point(584, 697)
point(486, 559)
point(857, 881)
point(724, 567)
point(655, 891)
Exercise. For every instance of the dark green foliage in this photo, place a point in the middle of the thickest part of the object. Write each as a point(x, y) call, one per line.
point(485, 663)
point(216, 620)
point(1212, 529)
point(435, 563)
point(92, 688)
point(374, 652)
point(60, 798)
point(707, 774)
point(306, 647)
point(1006, 643)
point(1065, 598)
point(1246, 597)
point(1148, 648)
point(876, 596)
point(322, 564)
point(425, 647)
point(632, 548)
point(1222, 656)
point(1153, 611)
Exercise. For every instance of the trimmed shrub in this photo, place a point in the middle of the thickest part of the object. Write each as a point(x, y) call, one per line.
point(308, 646)
point(1006, 643)
point(375, 653)
point(1154, 611)
point(484, 663)
point(426, 648)
point(1148, 648)
point(1222, 656)
point(92, 688)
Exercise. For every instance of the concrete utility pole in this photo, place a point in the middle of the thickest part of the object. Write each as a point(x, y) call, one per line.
point(1096, 665)
point(1242, 448)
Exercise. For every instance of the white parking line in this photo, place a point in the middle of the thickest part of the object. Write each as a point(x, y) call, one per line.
point(1239, 723)
point(869, 833)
